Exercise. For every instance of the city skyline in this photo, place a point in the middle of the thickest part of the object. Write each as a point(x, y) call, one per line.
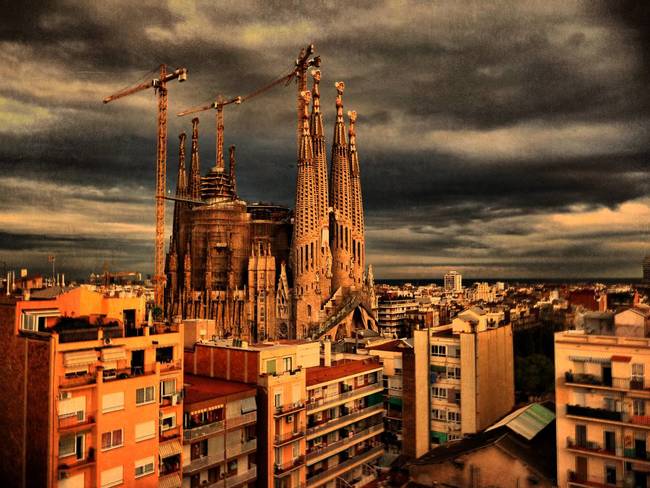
point(523, 127)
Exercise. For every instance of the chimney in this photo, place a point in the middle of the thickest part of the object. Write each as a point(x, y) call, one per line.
point(327, 353)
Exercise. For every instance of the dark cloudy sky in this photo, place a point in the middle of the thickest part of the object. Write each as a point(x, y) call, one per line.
point(502, 139)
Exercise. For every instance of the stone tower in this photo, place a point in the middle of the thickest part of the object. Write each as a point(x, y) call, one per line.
point(340, 201)
point(322, 189)
point(306, 233)
point(358, 234)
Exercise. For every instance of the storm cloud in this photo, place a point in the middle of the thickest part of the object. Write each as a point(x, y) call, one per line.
point(503, 139)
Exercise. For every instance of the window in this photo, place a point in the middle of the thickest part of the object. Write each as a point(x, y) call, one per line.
point(68, 445)
point(453, 417)
point(610, 475)
point(35, 322)
point(277, 401)
point(453, 437)
point(437, 392)
point(168, 422)
point(112, 439)
point(145, 430)
point(145, 395)
point(167, 388)
point(638, 407)
point(637, 369)
point(453, 373)
point(165, 354)
point(270, 366)
point(437, 350)
point(438, 414)
point(144, 467)
point(112, 477)
point(113, 401)
point(286, 363)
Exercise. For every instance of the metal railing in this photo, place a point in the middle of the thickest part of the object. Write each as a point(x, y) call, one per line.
point(236, 449)
point(586, 379)
point(203, 430)
point(362, 457)
point(596, 413)
point(289, 436)
point(281, 469)
point(597, 481)
point(242, 419)
point(171, 365)
point(288, 408)
point(74, 381)
point(73, 420)
point(344, 419)
point(347, 441)
point(204, 462)
point(242, 478)
point(311, 405)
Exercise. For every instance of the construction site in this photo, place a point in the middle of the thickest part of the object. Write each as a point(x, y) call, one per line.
point(263, 271)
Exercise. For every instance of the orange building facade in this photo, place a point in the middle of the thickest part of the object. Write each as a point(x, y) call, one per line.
point(98, 396)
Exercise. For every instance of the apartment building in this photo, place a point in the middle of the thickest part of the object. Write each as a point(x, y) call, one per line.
point(393, 313)
point(277, 370)
point(603, 410)
point(453, 282)
point(389, 354)
point(93, 397)
point(344, 422)
point(219, 433)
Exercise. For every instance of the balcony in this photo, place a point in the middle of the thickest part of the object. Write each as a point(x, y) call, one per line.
point(584, 445)
point(169, 434)
point(326, 401)
point(68, 466)
point(241, 448)
point(204, 462)
point(243, 419)
point(581, 480)
point(285, 468)
point(286, 437)
point(345, 419)
point(170, 366)
point(595, 413)
point(244, 477)
point(288, 409)
point(319, 478)
point(73, 422)
point(193, 433)
point(586, 379)
point(66, 382)
point(344, 443)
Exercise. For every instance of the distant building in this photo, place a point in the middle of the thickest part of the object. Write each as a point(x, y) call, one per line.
point(393, 314)
point(646, 268)
point(453, 282)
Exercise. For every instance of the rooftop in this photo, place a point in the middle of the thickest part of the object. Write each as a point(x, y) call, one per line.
point(398, 345)
point(340, 369)
point(202, 388)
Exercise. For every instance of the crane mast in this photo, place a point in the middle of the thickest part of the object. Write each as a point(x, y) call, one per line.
point(160, 86)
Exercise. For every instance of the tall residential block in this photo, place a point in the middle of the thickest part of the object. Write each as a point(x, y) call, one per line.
point(92, 396)
point(603, 410)
point(453, 281)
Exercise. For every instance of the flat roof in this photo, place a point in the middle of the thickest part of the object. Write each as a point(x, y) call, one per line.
point(398, 345)
point(340, 369)
point(203, 388)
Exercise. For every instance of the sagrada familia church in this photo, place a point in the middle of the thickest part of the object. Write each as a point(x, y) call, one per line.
point(262, 271)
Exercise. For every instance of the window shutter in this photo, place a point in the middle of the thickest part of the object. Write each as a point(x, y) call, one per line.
point(112, 477)
point(113, 401)
point(145, 430)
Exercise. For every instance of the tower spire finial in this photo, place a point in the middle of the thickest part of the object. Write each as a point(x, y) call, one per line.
point(181, 180)
point(339, 132)
point(195, 178)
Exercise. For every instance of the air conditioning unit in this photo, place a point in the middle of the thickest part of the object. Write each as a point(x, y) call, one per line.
point(289, 419)
point(65, 395)
point(175, 398)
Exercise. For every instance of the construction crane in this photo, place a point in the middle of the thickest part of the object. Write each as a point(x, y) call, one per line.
point(160, 87)
point(298, 72)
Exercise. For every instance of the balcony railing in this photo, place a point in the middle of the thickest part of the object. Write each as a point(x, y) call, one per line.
point(75, 381)
point(596, 413)
point(288, 409)
point(315, 403)
point(286, 467)
point(88, 459)
point(204, 462)
point(238, 479)
point(359, 458)
point(346, 441)
point(73, 421)
point(169, 434)
point(586, 379)
point(203, 430)
point(290, 436)
point(588, 446)
point(345, 419)
point(245, 418)
point(237, 449)
point(595, 481)
point(171, 366)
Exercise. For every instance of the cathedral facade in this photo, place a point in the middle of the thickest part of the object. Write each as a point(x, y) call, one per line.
point(263, 271)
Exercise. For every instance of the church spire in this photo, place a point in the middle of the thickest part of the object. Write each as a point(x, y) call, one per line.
point(181, 180)
point(233, 176)
point(358, 234)
point(341, 238)
point(195, 173)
